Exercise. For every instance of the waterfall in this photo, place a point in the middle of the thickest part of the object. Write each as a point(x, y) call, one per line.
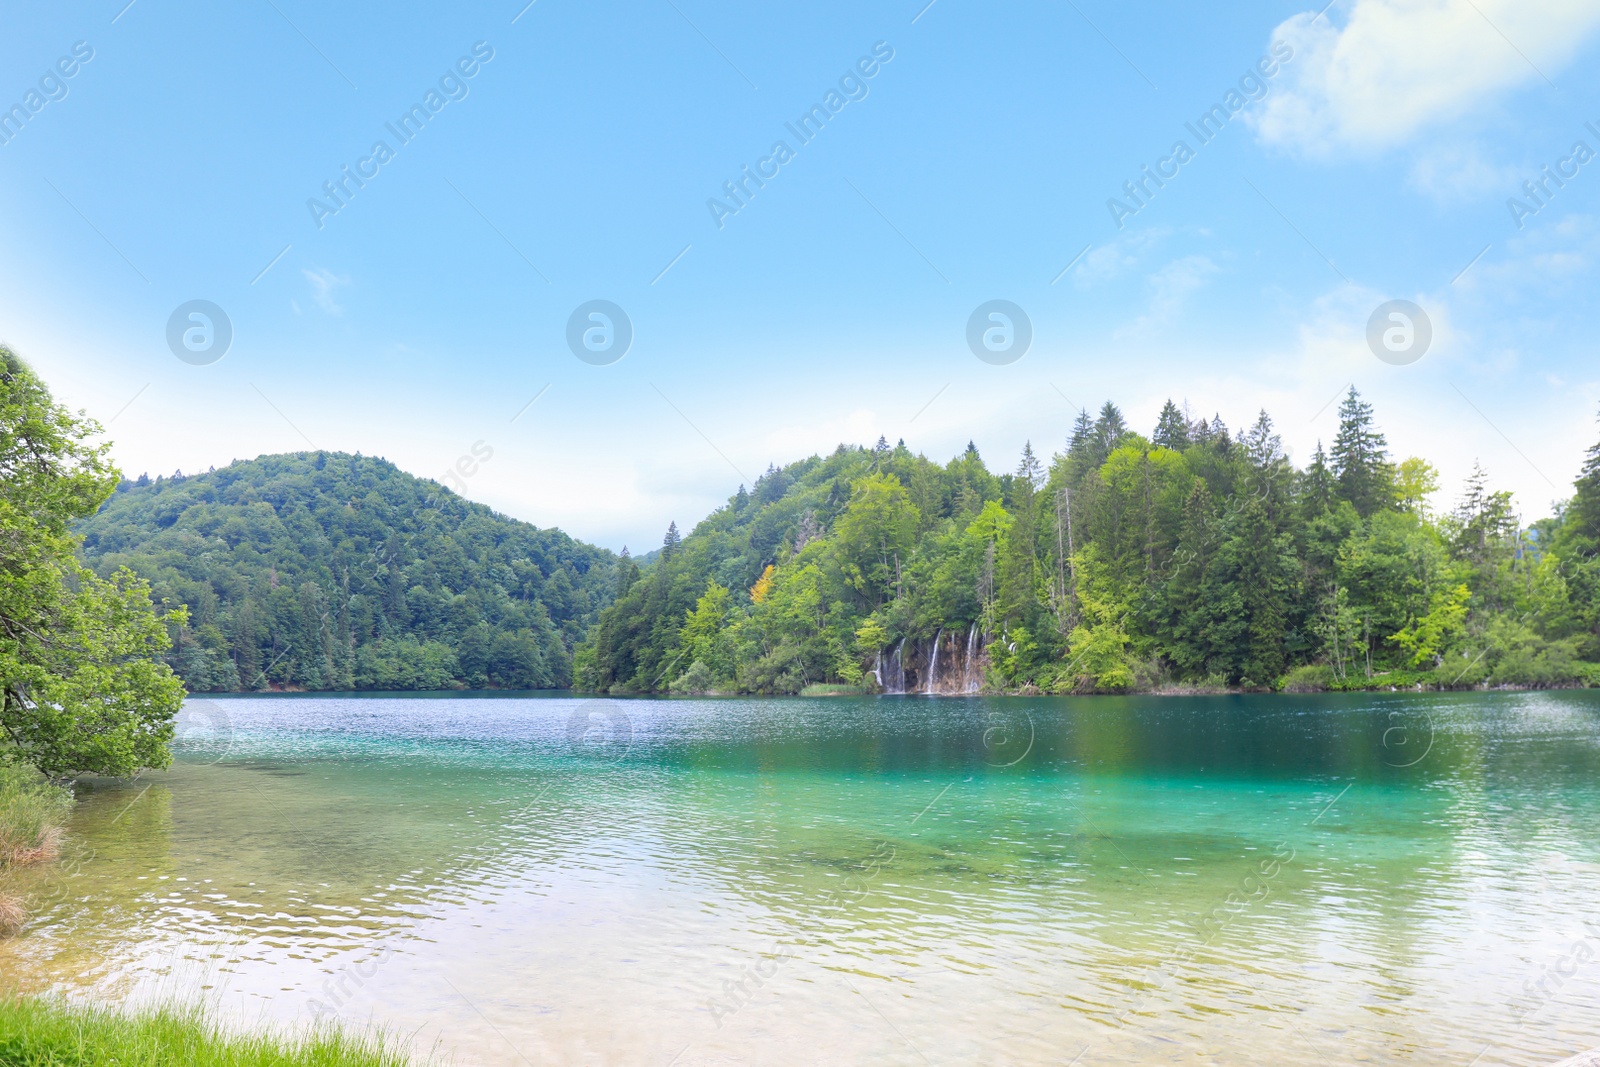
point(890, 671)
point(966, 668)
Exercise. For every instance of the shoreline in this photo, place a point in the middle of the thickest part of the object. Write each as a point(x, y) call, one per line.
point(823, 691)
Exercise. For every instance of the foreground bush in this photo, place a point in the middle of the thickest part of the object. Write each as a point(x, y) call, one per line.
point(82, 686)
point(1312, 678)
point(37, 1032)
point(33, 811)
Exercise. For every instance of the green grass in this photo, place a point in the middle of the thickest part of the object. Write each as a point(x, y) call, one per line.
point(824, 689)
point(42, 1032)
point(33, 815)
point(33, 811)
point(1320, 679)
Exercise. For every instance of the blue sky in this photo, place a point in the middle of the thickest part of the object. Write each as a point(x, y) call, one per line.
point(577, 160)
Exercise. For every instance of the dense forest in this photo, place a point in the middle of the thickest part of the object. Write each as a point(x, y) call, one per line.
point(330, 571)
point(1193, 557)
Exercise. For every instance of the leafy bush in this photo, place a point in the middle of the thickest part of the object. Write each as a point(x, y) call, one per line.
point(405, 664)
point(1312, 678)
point(82, 685)
point(697, 679)
point(33, 811)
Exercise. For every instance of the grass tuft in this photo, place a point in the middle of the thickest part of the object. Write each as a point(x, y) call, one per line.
point(826, 689)
point(46, 1032)
point(33, 811)
point(13, 914)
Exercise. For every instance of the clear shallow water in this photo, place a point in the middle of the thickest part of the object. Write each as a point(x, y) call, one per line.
point(1293, 880)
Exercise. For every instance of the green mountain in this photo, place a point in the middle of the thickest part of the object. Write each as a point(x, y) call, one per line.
point(1194, 556)
point(330, 571)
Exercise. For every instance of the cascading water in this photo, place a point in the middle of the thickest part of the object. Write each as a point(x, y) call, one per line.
point(967, 679)
point(961, 667)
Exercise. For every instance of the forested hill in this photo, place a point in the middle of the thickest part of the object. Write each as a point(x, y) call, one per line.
point(1191, 556)
point(330, 571)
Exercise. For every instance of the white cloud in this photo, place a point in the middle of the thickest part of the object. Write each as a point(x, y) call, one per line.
point(1171, 286)
point(1467, 401)
point(1460, 174)
point(323, 283)
point(1398, 67)
point(1119, 256)
point(1545, 261)
point(1168, 289)
point(822, 431)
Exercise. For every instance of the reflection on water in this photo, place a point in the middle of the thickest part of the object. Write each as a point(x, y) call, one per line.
point(898, 880)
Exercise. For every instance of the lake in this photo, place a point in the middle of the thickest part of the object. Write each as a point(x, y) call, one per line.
point(901, 880)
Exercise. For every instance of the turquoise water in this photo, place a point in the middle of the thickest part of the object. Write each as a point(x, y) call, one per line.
point(1293, 880)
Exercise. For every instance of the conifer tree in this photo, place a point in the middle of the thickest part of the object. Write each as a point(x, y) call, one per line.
point(1172, 429)
point(1217, 433)
point(1028, 469)
point(1109, 430)
point(1261, 564)
point(627, 573)
point(1020, 564)
point(771, 485)
point(1360, 458)
point(1581, 525)
point(1188, 609)
point(1483, 518)
point(1082, 431)
point(1270, 477)
point(1317, 486)
point(1262, 448)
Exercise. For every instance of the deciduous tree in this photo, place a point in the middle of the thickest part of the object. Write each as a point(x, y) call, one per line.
point(82, 687)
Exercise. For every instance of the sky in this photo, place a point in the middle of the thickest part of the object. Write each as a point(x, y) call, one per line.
point(798, 218)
